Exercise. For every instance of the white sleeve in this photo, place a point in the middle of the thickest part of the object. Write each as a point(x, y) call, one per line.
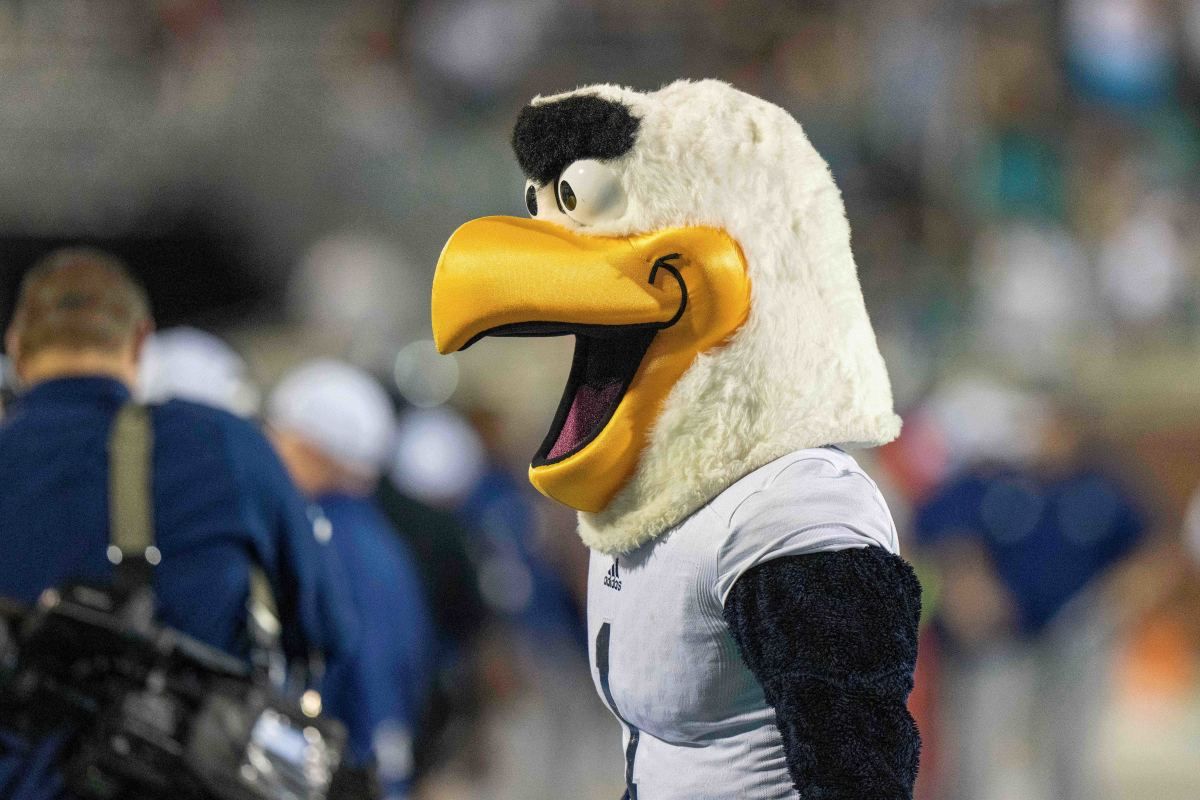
point(812, 505)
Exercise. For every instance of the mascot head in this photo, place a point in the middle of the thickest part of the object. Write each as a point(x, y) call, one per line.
point(694, 243)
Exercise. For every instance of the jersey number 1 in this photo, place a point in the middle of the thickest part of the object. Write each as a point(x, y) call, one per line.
point(602, 640)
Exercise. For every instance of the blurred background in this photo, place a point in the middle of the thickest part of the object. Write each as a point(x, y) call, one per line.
point(1023, 189)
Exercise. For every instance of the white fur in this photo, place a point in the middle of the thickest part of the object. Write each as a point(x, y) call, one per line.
point(804, 370)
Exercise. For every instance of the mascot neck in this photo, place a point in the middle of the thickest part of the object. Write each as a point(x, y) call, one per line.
point(754, 400)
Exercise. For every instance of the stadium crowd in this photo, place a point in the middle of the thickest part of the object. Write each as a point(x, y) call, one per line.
point(1021, 182)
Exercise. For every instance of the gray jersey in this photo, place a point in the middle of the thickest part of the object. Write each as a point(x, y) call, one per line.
point(695, 723)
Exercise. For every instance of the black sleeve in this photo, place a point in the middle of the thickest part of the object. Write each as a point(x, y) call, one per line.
point(832, 638)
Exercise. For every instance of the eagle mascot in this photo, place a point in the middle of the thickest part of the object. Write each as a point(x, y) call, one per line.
point(751, 624)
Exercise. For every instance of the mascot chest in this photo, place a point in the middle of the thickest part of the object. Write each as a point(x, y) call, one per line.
point(662, 656)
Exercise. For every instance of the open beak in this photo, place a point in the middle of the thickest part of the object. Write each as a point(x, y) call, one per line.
point(641, 308)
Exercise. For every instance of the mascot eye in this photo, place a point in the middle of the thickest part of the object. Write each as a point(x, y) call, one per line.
point(567, 196)
point(531, 199)
point(590, 191)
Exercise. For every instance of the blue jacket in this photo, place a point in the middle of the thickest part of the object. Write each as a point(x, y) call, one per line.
point(1048, 537)
point(538, 603)
point(379, 692)
point(222, 503)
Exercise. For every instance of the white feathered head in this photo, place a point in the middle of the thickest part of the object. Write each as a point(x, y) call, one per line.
point(695, 244)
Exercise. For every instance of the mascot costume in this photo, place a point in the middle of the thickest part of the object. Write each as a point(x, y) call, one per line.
point(751, 624)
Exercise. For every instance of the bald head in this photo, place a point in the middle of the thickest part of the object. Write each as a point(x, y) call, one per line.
point(79, 312)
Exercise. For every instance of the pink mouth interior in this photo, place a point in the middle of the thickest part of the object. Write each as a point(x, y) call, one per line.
point(588, 408)
point(601, 372)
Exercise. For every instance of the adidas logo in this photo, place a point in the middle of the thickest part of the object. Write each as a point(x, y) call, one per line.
point(613, 579)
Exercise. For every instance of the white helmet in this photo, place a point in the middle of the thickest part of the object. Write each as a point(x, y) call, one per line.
point(339, 409)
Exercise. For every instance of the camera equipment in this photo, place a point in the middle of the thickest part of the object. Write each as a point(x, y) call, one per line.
point(144, 711)
point(153, 712)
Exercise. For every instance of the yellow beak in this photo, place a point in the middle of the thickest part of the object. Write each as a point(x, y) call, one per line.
point(641, 308)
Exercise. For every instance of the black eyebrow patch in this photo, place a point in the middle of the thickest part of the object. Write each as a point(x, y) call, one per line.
point(550, 136)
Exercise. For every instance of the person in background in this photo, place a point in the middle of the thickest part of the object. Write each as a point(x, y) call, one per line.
point(333, 426)
point(1027, 555)
point(543, 723)
point(222, 502)
point(436, 457)
point(191, 364)
point(522, 576)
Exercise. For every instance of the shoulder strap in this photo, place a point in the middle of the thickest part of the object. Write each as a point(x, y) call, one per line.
point(131, 519)
point(264, 612)
point(130, 505)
